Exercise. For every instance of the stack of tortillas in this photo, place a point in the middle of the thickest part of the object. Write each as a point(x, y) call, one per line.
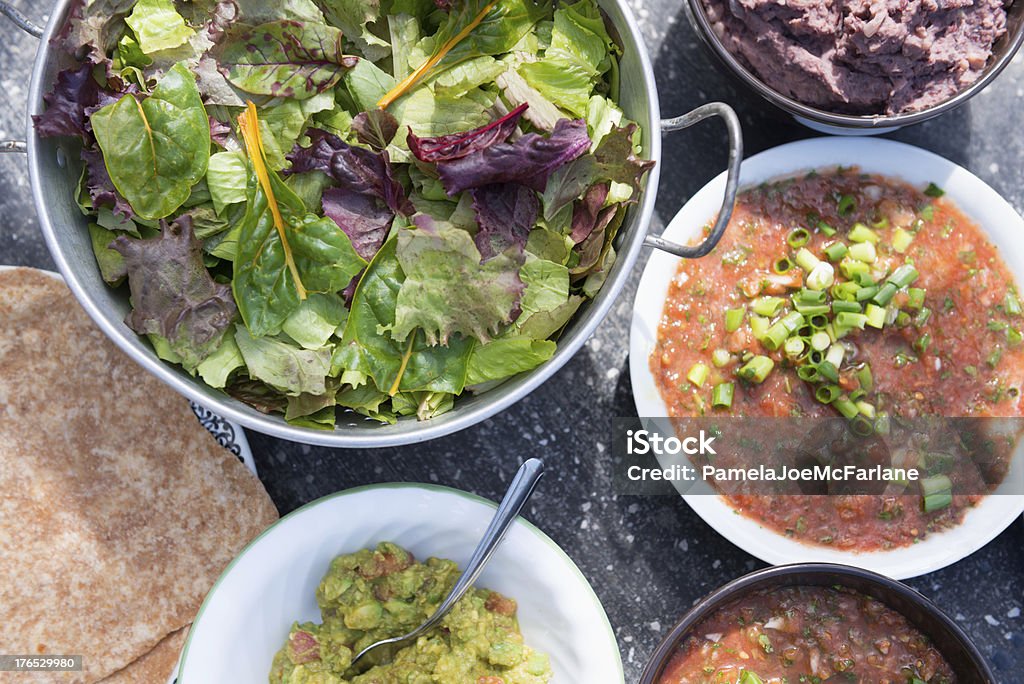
point(118, 510)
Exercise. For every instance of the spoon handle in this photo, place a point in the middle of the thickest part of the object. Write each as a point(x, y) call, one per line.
point(518, 493)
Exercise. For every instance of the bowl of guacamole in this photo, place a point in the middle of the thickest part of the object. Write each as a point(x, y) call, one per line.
point(374, 594)
point(373, 562)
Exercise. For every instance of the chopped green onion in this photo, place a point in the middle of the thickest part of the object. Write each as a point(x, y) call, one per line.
point(936, 502)
point(875, 316)
point(733, 319)
point(922, 317)
point(798, 237)
point(847, 319)
point(759, 325)
point(805, 260)
point(901, 240)
point(794, 347)
point(864, 278)
point(767, 306)
point(821, 276)
point(783, 265)
point(826, 229)
point(806, 296)
point(921, 343)
point(828, 370)
point(904, 275)
point(808, 373)
point(840, 306)
point(993, 358)
point(1011, 304)
point(861, 426)
point(866, 293)
point(885, 294)
point(836, 251)
point(934, 190)
point(864, 251)
point(864, 377)
point(851, 267)
point(846, 291)
point(818, 321)
point(776, 335)
point(880, 223)
point(826, 394)
point(820, 341)
point(811, 309)
point(846, 407)
point(883, 424)
point(861, 233)
point(757, 369)
point(721, 395)
point(857, 394)
point(721, 357)
point(935, 484)
point(698, 374)
point(866, 409)
point(915, 298)
point(1013, 336)
point(846, 205)
point(902, 318)
point(836, 354)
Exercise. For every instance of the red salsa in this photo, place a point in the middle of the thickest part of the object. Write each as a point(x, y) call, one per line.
point(806, 634)
point(842, 293)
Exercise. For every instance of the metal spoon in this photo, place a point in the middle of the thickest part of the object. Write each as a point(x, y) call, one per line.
point(515, 498)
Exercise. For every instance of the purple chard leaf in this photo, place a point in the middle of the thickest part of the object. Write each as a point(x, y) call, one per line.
point(528, 161)
point(506, 214)
point(457, 145)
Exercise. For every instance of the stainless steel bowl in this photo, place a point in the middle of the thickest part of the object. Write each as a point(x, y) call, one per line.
point(962, 655)
point(850, 124)
point(54, 173)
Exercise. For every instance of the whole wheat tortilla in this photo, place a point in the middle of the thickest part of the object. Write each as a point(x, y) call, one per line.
point(154, 667)
point(118, 510)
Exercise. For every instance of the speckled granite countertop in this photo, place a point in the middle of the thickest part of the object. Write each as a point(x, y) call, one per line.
point(649, 558)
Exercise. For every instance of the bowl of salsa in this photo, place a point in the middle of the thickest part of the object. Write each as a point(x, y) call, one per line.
point(816, 622)
point(860, 281)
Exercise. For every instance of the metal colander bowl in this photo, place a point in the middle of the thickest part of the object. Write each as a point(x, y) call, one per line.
point(54, 173)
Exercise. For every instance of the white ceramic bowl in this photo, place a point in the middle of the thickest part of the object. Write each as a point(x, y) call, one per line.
point(916, 166)
point(246, 616)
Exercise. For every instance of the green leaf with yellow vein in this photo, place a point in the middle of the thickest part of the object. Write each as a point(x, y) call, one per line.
point(156, 149)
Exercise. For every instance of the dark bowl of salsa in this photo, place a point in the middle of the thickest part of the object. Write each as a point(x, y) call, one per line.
point(817, 623)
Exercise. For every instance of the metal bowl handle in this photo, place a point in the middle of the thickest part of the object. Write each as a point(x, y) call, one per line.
point(732, 124)
point(20, 20)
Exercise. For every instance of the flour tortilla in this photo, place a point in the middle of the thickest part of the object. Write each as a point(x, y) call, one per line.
point(118, 510)
point(154, 667)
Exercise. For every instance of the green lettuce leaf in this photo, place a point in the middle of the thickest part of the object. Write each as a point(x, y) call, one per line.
point(566, 84)
point(447, 290)
point(352, 17)
point(285, 59)
point(254, 12)
point(157, 25)
point(173, 295)
point(111, 263)
point(366, 400)
point(505, 357)
point(227, 178)
point(316, 320)
point(368, 347)
point(157, 149)
point(543, 324)
point(285, 367)
point(216, 369)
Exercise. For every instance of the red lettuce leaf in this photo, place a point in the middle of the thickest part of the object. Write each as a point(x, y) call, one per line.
point(528, 161)
point(375, 128)
point(457, 145)
point(364, 219)
point(75, 92)
point(586, 210)
point(367, 197)
point(220, 132)
point(100, 187)
point(506, 214)
point(353, 168)
point(172, 293)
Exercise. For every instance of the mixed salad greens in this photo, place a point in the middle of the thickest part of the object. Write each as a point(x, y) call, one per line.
point(367, 204)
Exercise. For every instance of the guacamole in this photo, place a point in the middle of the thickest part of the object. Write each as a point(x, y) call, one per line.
point(375, 594)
